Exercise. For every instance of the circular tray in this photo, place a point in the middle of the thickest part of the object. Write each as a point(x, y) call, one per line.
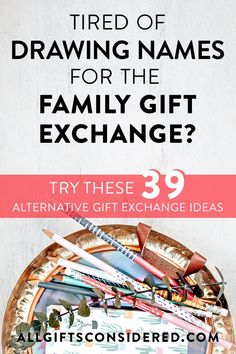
point(26, 298)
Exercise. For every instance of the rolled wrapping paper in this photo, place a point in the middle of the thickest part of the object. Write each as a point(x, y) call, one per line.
point(199, 313)
point(65, 288)
point(109, 280)
point(85, 269)
point(71, 279)
point(177, 311)
point(69, 271)
point(139, 304)
point(153, 310)
point(127, 252)
point(217, 310)
point(68, 279)
point(74, 276)
point(197, 303)
point(197, 309)
point(195, 264)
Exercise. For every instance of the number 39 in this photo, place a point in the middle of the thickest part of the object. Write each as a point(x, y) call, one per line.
point(152, 183)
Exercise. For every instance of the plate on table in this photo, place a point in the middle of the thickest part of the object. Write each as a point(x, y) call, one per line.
point(27, 297)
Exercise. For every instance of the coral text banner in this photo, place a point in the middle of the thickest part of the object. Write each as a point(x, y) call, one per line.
point(151, 195)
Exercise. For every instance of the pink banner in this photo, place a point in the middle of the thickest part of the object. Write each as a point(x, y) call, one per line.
point(151, 195)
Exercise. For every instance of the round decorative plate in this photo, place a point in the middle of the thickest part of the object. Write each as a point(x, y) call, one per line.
point(26, 297)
